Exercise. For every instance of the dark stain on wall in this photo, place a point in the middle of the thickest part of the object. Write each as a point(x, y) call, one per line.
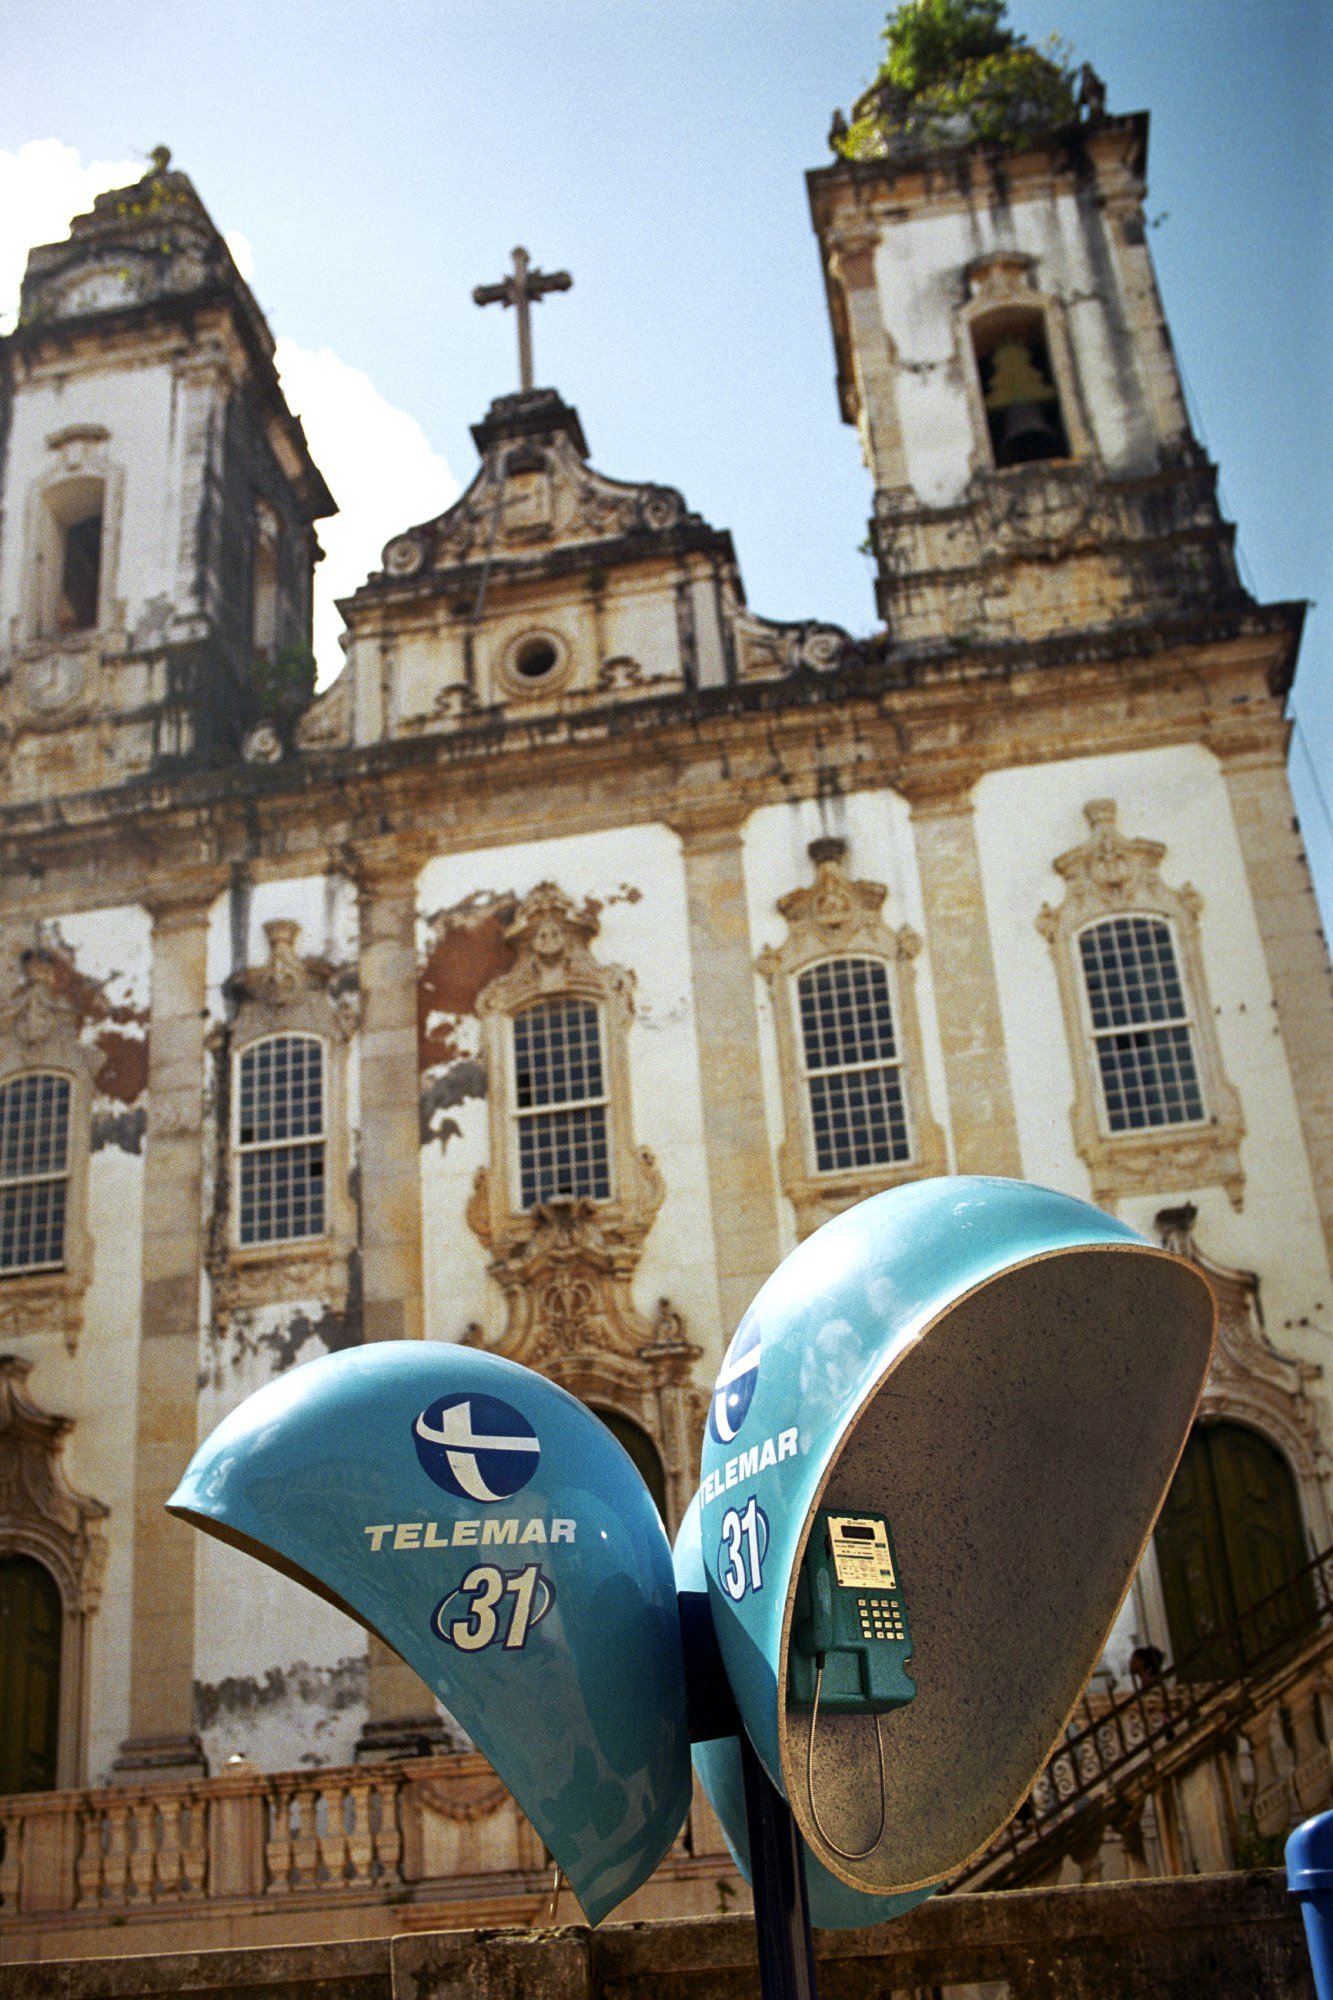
point(118, 1128)
point(463, 1079)
point(334, 1330)
point(245, 1697)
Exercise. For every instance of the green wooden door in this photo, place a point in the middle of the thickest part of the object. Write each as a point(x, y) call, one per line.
point(1228, 1539)
point(30, 1621)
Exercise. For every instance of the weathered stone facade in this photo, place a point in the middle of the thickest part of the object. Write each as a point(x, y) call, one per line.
point(565, 766)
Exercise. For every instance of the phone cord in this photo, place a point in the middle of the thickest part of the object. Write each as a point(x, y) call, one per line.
point(847, 1853)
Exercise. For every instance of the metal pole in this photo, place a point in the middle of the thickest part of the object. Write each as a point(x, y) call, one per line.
point(777, 1874)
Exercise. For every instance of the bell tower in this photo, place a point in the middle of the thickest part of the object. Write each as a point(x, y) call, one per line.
point(1002, 349)
point(157, 532)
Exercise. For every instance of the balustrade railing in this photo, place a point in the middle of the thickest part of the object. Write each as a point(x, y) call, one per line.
point(1127, 1739)
point(364, 1831)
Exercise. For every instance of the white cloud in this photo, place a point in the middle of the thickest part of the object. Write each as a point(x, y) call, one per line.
point(376, 458)
point(241, 251)
point(380, 467)
point(42, 186)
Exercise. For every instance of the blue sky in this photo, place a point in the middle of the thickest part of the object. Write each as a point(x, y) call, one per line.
point(381, 157)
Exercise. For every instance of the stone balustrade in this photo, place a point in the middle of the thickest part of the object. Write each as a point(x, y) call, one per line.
point(324, 1853)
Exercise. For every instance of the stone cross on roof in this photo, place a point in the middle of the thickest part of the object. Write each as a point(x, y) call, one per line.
point(523, 288)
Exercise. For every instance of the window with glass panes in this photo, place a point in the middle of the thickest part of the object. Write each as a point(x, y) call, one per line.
point(280, 1140)
point(34, 1171)
point(1140, 1024)
point(560, 1105)
point(853, 1074)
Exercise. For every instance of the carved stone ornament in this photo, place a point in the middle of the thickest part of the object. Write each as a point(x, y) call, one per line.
point(262, 745)
point(767, 648)
point(471, 1792)
point(1111, 874)
point(1251, 1382)
point(39, 1030)
point(41, 1516)
point(287, 995)
point(837, 917)
point(566, 1266)
point(327, 723)
point(528, 498)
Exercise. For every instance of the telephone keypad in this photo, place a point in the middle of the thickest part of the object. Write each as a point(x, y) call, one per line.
point(880, 1617)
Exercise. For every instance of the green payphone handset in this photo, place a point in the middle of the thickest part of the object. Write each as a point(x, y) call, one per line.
point(850, 1618)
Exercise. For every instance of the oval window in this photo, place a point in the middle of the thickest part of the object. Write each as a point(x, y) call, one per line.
point(535, 659)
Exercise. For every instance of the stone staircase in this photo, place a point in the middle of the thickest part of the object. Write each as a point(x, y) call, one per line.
point(1213, 1759)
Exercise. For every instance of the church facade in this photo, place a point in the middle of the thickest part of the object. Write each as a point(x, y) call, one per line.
point(592, 938)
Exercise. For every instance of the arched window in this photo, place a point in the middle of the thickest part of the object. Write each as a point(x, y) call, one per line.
point(640, 1447)
point(560, 1102)
point(31, 1619)
point(34, 1171)
point(1153, 1111)
point(280, 1139)
point(1139, 1020)
point(72, 557)
point(853, 1077)
point(1018, 388)
point(851, 1065)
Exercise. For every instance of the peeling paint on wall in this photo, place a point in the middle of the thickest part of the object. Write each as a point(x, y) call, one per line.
point(121, 1028)
point(281, 1332)
point(124, 1071)
point(468, 950)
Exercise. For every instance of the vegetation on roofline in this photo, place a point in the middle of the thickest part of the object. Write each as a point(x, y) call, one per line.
point(955, 73)
point(284, 684)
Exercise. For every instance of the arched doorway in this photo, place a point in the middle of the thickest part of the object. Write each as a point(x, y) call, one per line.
point(31, 1617)
point(641, 1449)
point(1231, 1552)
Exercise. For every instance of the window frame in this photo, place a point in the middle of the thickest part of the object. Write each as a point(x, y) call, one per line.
point(842, 918)
point(40, 1033)
point(519, 1114)
point(1114, 875)
point(289, 995)
point(896, 1065)
point(51, 1266)
point(241, 1150)
point(1096, 1036)
point(80, 466)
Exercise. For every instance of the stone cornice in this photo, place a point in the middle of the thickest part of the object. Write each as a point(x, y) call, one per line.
point(48, 341)
point(686, 758)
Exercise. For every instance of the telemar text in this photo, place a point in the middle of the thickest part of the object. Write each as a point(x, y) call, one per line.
point(744, 1464)
point(465, 1534)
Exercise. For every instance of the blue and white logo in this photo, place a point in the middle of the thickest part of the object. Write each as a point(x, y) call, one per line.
point(476, 1447)
point(734, 1390)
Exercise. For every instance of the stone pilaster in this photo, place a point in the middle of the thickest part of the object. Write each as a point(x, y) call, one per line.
point(742, 1184)
point(162, 1741)
point(390, 1088)
point(1294, 950)
point(967, 995)
point(852, 260)
point(402, 1715)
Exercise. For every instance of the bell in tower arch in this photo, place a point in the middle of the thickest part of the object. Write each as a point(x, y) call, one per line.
point(1022, 402)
